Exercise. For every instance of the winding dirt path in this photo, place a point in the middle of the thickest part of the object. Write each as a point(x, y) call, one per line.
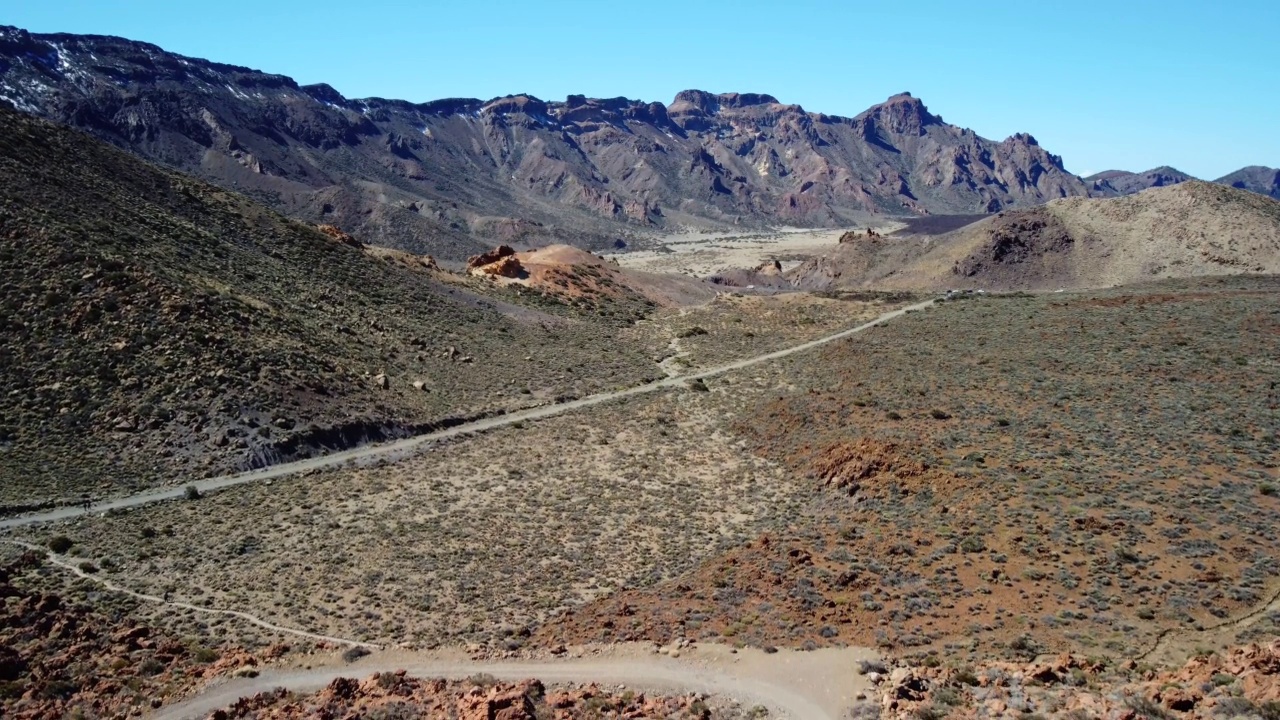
point(817, 685)
point(53, 559)
point(413, 443)
point(1163, 647)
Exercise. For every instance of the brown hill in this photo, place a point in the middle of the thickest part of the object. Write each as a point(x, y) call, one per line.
point(1187, 230)
point(451, 177)
point(154, 327)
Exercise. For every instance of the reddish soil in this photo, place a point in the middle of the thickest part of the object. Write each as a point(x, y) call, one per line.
point(1004, 477)
point(59, 659)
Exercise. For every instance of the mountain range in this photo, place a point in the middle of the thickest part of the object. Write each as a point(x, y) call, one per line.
point(450, 176)
point(453, 177)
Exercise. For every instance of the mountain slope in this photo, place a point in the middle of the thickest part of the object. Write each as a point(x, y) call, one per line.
point(1186, 230)
point(450, 176)
point(1255, 178)
point(156, 327)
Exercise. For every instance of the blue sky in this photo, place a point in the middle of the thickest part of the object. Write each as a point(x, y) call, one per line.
point(1126, 84)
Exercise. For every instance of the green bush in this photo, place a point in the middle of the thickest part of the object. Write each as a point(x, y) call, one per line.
point(61, 544)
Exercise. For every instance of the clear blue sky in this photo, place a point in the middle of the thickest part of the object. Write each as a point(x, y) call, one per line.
point(1126, 84)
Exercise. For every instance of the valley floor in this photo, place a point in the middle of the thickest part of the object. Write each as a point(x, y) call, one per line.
point(986, 479)
point(703, 254)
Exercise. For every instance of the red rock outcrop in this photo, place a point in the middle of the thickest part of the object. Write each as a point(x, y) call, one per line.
point(845, 465)
point(337, 235)
point(499, 262)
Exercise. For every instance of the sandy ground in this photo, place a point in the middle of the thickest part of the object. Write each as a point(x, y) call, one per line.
point(706, 253)
point(816, 685)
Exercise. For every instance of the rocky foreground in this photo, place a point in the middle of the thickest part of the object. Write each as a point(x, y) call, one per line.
point(61, 659)
point(394, 695)
point(1244, 682)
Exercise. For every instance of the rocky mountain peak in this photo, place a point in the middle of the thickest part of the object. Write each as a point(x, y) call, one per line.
point(901, 114)
point(526, 104)
point(700, 99)
point(738, 100)
point(325, 93)
point(711, 104)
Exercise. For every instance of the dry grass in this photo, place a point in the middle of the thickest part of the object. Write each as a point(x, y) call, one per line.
point(735, 326)
point(477, 540)
point(995, 476)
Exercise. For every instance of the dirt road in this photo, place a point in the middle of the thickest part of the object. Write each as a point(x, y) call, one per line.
point(399, 447)
point(818, 685)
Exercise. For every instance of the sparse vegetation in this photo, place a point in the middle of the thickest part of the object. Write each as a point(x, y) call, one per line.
point(212, 335)
point(1088, 494)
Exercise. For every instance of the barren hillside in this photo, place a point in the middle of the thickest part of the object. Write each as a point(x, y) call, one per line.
point(1187, 230)
point(153, 326)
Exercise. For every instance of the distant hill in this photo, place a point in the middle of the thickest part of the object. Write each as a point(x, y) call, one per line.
point(154, 327)
point(1255, 178)
point(453, 177)
point(1120, 182)
point(1189, 229)
point(1110, 183)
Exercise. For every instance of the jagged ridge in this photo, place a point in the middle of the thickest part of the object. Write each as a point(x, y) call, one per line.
point(441, 175)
